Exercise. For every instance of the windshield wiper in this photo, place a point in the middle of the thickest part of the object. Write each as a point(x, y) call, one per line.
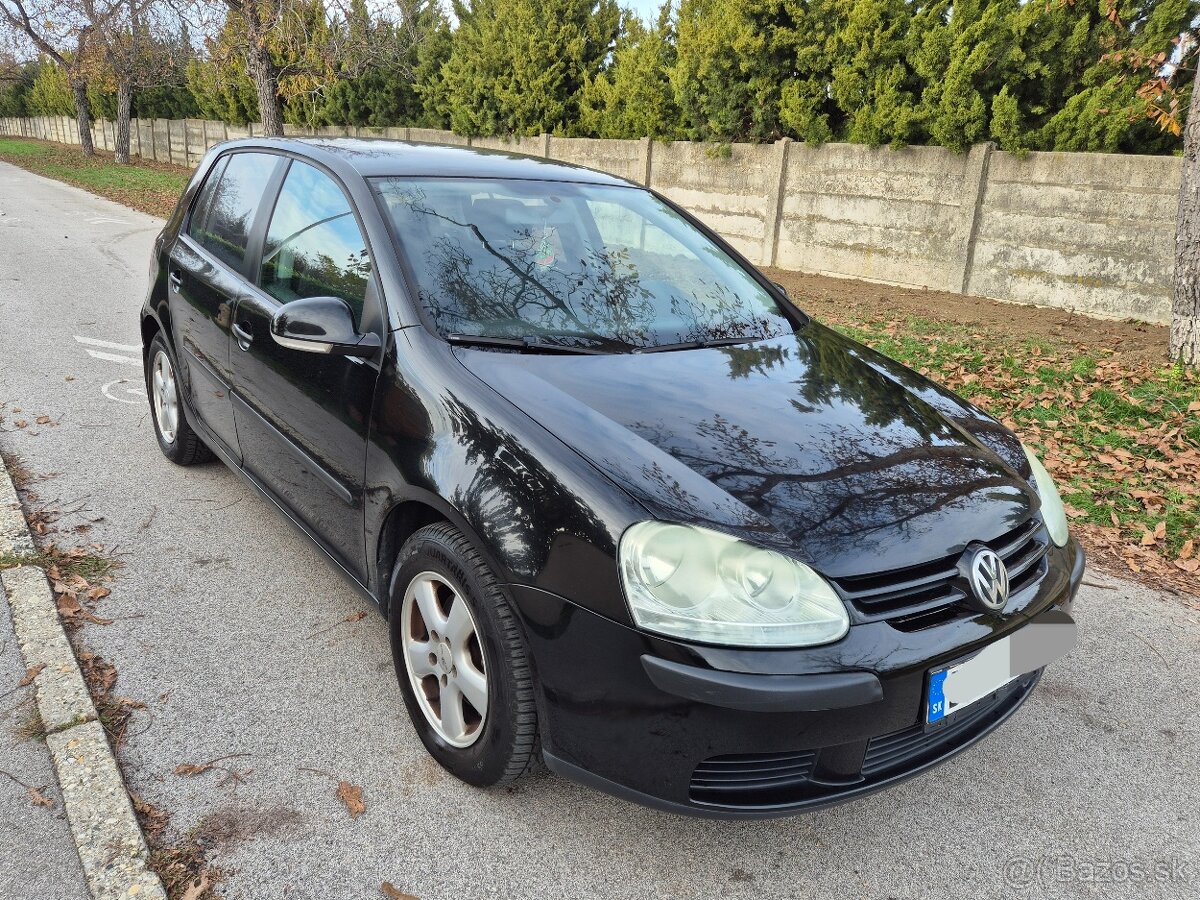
point(524, 344)
point(696, 345)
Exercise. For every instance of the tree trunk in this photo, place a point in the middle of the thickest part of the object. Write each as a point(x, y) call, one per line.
point(83, 116)
point(1185, 314)
point(266, 83)
point(124, 104)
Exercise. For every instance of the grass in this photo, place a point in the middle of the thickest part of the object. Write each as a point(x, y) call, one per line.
point(69, 563)
point(1123, 441)
point(150, 187)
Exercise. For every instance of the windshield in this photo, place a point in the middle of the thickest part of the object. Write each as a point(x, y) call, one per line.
point(609, 268)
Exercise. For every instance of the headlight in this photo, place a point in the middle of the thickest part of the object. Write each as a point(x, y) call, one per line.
point(699, 585)
point(1053, 513)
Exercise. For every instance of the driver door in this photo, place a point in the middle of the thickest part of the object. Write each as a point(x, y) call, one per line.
point(303, 418)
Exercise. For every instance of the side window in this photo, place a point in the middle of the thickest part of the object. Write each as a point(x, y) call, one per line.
point(314, 247)
point(204, 202)
point(230, 213)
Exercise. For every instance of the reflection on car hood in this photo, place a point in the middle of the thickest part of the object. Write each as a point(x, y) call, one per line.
point(810, 443)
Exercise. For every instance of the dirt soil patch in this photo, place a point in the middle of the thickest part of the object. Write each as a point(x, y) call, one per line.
point(845, 301)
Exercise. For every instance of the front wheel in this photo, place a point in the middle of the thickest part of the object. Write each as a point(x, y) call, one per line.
point(461, 660)
point(178, 442)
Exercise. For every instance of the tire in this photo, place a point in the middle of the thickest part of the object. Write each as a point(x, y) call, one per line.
point(178, 442)
point(500, 743)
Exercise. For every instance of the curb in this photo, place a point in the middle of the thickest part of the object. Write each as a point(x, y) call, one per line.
point(110, 843)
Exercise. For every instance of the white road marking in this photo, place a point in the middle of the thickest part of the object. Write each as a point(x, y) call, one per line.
point(106, 220)
point(138, 393)
point(95, 342)
point(112, 357)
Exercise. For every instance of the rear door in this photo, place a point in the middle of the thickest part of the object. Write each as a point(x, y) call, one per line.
point(206, 278)
point(302, 418)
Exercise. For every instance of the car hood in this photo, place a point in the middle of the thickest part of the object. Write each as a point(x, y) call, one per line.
point(809, 443)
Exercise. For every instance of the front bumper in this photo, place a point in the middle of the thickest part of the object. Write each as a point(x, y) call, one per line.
point(733, 733)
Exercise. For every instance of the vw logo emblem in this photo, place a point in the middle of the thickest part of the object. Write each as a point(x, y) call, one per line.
point(987, 577)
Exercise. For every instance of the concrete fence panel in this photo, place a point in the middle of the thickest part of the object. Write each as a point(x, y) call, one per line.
point(727, 188)
point(434, 136)
point(1081, 230)
point(620, 158)
point(874, 213)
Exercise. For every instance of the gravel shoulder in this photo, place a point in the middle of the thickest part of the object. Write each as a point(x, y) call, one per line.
point(242, 643)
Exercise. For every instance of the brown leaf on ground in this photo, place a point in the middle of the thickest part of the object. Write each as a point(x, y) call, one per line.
point(195, 889)
point(37, 798)
point(193, 768)
point(31, 673)
point(1188, 548)
point(351, 797)
point(21, 423)
point(394, 893)
point(43, 420)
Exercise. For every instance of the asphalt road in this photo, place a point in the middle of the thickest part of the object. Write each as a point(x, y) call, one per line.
point(234, 633)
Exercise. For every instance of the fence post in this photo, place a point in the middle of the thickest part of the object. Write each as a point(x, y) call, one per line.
point(967, 228)
point(544, 150)
point(644, 161)
point(776, 191)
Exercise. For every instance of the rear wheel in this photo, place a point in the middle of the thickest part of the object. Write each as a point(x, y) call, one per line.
point(178, 442)
point(461, 660)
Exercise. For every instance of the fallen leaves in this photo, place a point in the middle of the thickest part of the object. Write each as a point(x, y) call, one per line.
point(351, 797)
point(195, 889)
point(190, 770)
point(394, 893)
point(31, 673)
point(37, 798)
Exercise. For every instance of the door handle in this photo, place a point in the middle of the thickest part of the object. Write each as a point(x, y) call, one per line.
point(244, 336)
point(176, 280)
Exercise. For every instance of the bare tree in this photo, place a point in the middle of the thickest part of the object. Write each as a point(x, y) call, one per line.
point(64, 32)
point(1168, 74)
point(138, 52)
point(294, 48)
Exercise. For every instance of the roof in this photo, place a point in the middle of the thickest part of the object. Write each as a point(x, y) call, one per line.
point(378, 157)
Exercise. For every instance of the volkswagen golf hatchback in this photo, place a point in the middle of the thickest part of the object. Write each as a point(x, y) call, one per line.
point(626, 508)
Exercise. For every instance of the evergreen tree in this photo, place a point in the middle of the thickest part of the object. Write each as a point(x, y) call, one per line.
point(1103, 112)
point(390, 94)
point(730, 68)
point(632, 97)
point(873, 84)
point(519, 66)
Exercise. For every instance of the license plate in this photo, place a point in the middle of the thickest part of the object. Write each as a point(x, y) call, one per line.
point(956, 686)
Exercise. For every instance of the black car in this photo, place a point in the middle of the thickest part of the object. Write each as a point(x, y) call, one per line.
point(626, 508)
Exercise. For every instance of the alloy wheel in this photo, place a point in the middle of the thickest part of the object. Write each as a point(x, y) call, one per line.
point(444, 659)
point(166, 396)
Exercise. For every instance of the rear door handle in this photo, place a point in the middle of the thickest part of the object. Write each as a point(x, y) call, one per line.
point(176, 280)
point(245, 338)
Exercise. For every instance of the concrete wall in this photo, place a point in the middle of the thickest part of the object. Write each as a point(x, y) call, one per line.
point(1091, 232)
point(1079, 230)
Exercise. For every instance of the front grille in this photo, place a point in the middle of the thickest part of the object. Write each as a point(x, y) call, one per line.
point(920, 596)
point(904, 749)
point(752, 779)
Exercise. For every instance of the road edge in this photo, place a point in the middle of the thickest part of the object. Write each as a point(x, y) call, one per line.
point(111, 846)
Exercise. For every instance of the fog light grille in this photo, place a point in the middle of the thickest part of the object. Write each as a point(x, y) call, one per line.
point(756, 779)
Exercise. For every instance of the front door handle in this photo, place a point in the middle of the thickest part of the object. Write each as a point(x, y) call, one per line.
point(176, 280)
point(242, 333)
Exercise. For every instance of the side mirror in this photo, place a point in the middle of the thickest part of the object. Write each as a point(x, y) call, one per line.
point(321, 325)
